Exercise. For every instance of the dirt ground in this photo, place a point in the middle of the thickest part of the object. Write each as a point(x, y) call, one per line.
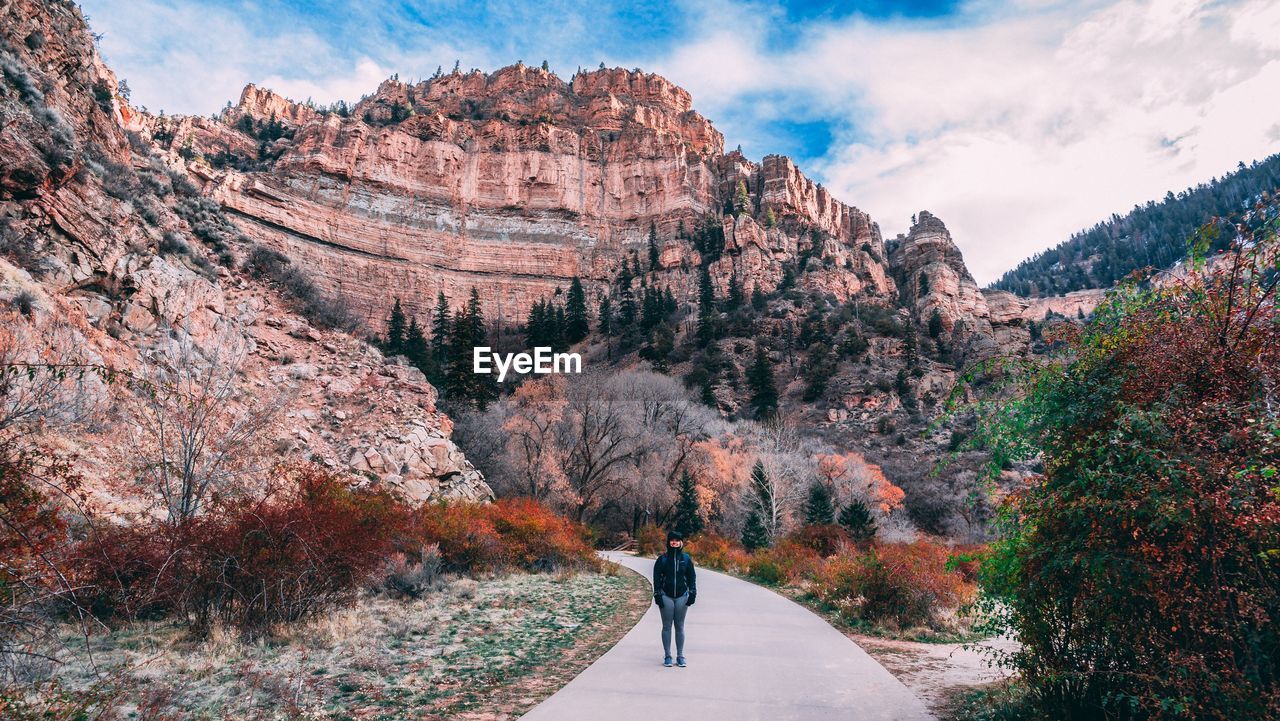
point(936, 671)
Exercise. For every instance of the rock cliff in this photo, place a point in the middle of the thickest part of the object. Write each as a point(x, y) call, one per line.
point(107, 255)
point(513, 182)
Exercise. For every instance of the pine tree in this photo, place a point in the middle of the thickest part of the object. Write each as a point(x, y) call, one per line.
point(556, 328)
point(654, 260)
point(857, 520)
point(764, 394)
point(935, 324)
point(741, 201)
point(575, 312)
point(818, 370)
point(819, 510)
point(416, 349)
point(458, 373)
point(441, 330)
point(535, 328)
point(706, 307)
point(734, 300)
point(605, 321)
point(395, 330)
point(484, 386)
point(688, 515)
point(754, 534)
point(923, 284)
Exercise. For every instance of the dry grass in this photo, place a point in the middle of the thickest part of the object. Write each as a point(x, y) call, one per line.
point(477, 649)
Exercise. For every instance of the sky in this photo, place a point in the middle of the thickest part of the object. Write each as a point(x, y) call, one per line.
point(1016, 123)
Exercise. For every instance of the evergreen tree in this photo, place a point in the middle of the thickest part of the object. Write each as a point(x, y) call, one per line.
point(688, 515)
point(764, 501)
point(668, 301)
point(575, 312)
point(764, 394)
point(458, 375)
point(754, 534)
point(935, 324)
point(556, 329)
point(416, 349)
point(857, 520)
point(706, 307)
point(734, 300)
point(605, 322)
point(923, 285)
point(819, 510)
point(535, 328)
point(395, 330)
point(741, 201)
point(819, 367)
point(758, 299)
point(484, 388)
point(654, 260)
point(441, 330)
point(659, 343)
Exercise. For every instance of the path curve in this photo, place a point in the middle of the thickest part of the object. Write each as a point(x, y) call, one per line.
point(752, 655)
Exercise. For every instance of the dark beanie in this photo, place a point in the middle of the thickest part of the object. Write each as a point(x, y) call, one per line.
point(674, 536)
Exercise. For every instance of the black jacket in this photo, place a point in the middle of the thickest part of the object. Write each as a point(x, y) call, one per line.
point(673, 575)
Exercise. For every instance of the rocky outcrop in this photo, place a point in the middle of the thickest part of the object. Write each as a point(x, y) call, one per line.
point(514, 182)
point(109, 253)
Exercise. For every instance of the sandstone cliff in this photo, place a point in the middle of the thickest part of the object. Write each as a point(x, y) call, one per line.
point(107, 254)
point(513, 182)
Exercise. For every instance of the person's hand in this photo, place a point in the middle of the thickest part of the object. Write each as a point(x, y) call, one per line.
point(657, 599)
point(693, 596)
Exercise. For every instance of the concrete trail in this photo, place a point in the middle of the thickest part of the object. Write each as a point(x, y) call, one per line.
point(752, 655)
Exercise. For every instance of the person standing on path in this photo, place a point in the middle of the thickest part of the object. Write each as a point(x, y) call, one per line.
point(674, 590)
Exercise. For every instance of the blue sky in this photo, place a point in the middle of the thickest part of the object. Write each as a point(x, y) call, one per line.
point(1017, 123)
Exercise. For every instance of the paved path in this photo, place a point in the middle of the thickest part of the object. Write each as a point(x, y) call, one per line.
point(752, 655)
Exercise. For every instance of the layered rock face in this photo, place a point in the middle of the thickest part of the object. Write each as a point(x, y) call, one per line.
point(514, 183)
point(100, 253)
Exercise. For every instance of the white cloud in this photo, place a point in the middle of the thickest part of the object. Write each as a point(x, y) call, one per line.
point(1016, 124)
point(1022, 128)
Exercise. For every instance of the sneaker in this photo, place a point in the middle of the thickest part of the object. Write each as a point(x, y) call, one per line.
point(666, 661)
point(680, 662)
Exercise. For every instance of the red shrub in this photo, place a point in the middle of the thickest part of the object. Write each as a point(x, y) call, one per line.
point(467, 539)
point(536, 538)
point(903, 584)
point(826, 539)
point(715, 551)
point(510, 533)
point(285, 558)
point(251, 564)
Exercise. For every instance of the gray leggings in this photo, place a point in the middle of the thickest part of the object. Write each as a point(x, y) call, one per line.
point(673, 609)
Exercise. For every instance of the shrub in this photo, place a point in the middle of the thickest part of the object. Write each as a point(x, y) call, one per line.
point(1141, 572)
point(466, 537)
point(292, 555)
point(824, 539)
point(251, 564)
point(716, 551)
point(901, 585)
point(765, 568)
point(651, 540)
point(414, 576)
point(537, 539)
point(509, 533)
point(173, 244)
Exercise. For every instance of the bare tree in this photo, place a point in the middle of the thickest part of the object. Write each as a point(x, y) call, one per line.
point(46, 383)
point(194, 430)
